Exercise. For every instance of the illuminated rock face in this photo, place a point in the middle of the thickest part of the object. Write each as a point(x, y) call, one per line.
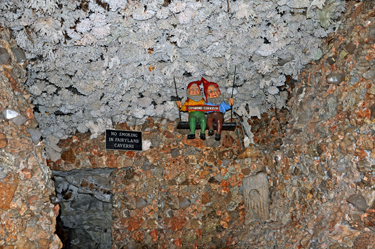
point(318, 155)
point(96, 63)
point(27, 217)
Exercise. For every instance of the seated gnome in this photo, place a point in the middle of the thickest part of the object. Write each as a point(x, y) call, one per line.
point(214, 98)
point(194, 98)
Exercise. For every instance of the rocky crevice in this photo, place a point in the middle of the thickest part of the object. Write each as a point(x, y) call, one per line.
point(85, 216)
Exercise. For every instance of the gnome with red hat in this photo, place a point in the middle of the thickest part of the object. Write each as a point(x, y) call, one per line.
point(214, 98)
point(194, 99)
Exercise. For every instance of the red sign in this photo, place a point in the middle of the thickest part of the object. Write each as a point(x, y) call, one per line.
point(203, 108)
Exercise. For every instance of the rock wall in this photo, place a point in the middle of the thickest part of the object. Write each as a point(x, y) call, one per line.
point(322, 177)
point(27, 216)
point(318, 154)
point(179, 192)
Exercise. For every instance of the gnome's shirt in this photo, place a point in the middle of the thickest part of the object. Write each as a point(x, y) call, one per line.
point(223, 107)
point(190, 102)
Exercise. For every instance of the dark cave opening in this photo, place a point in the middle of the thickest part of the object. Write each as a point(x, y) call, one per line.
point(85, 200)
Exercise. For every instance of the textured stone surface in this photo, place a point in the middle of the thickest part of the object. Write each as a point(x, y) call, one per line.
point(170, 188)
point(256, 197)
point(27, 217)
point(4, 56)
point(359, 201)
point(335, 78)
point(195, 198)
point(19, 54)
point(86, 209)
point(6, 194)
point(3, 140)
point(95, 63)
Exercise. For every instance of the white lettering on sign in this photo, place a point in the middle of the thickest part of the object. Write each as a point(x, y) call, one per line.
point(126, 134)
point(202, 108)
point(126, 140)
point(129, 146)
point(123, 140)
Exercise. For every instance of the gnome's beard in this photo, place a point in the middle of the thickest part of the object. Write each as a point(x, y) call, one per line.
point(216, 101)
point(196, 98)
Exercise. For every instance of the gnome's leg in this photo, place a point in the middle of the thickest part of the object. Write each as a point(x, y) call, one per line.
point(192, 122)
point(219, 122)
point(202, 120)
point(210, 121)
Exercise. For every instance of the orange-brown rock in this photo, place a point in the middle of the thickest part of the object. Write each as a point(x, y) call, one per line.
point(111, 161)
point(33, 199)
point(228, 141)
point(26, 173)
point(3, 141)
point(154, 235)
point(178, 242)
point(365, 240)
point(68, 156)
point(206, 198)
point(6, 194)
point(23, 242)
point(198, 143)
point(130, 154)
point(177, 223)
point(168, 134)
point(138, 235)
point(173, 167)
point(7, 247)
point(134, 223)
point(149, 224)
point(246, 171)
point(369, 219)
point(44, 243)
point(249, 152)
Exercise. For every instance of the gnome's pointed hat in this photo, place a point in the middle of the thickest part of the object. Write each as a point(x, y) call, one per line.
point(206, 84)
point(194, 82)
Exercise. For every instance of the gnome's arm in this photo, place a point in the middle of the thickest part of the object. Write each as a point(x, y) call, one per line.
point(224, 106)
point(183, 107)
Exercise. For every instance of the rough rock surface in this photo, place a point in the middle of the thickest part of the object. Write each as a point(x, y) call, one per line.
point(317, 153)
point(27, 216)
point(324, 148)
point(179, 192)
point(95, 63)
point(86, 209)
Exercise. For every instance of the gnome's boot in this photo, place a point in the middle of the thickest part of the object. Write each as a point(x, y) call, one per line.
point(202, 136)
point(217, 137)
point(191, 136)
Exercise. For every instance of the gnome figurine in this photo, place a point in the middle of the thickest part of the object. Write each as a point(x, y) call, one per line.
point(214, 98)
point(194, 98)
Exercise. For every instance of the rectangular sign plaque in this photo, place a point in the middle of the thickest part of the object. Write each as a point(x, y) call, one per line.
point(203, 108)
point(123, 140)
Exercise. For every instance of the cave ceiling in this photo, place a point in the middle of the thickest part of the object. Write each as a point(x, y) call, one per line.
point(94, 63)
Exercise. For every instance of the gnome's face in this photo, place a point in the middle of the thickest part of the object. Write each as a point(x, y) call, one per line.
point(194, 93)
point(212, 92)
point(194, 90)
point(214, 95)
